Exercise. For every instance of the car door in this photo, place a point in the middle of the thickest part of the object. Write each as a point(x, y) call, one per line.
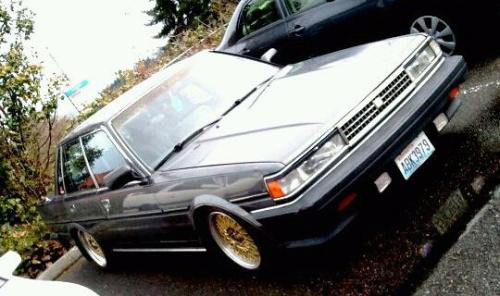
point(80, 200)
point(260, 27)
point(318, 26)
point(132, 214)
point(52, 209)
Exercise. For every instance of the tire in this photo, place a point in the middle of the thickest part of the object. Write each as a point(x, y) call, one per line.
point(235, 240)
point(442, 28)
point(92, 250)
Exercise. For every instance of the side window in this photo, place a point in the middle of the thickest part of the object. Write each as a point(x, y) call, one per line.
point(300, 5)
point(102, 155)
point(258, 14)
point(76, 174)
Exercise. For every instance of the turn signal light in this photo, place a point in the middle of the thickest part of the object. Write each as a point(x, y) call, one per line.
point(275, 190)
point(453, 93)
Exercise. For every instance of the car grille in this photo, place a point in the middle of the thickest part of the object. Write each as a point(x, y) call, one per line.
point(360, 120)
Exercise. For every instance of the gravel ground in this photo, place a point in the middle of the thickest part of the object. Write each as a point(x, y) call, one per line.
point(390, 250)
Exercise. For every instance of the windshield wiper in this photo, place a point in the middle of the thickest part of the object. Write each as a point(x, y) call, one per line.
point(238, 101)
point(262, 86)
point(179, 146)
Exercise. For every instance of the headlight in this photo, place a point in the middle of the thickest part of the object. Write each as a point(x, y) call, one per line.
point(315, 163)
point(423, 60)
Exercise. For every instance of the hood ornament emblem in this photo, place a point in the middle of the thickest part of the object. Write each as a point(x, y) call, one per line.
point(378, 102)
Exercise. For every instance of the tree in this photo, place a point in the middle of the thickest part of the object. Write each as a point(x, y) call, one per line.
point(27, 117)
point(178, 15)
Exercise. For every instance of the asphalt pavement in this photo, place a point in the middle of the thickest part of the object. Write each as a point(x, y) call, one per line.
point(392, 249)
point(472, 265)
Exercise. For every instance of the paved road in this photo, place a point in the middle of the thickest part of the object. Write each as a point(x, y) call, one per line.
point(388, 251)
point(472, 265)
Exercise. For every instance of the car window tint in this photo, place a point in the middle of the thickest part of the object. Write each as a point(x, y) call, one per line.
point(76, 173)
point(258, 14)
point(300, 5)
point(102, 155)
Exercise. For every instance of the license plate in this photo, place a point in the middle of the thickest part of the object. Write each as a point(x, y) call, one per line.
point(414, 155)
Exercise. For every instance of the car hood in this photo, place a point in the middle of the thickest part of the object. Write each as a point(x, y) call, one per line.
point(300, 104)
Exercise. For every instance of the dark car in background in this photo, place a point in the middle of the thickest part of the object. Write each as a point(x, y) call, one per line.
point(299, 29)
point(243, 157)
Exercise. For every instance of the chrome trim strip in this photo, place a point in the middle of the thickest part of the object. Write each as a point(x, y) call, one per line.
point(125, 147)
point(142, 214)
point(87, 162)
point(172, 210)
point(426, 77)
point(162, 250)
point(112, 139)
point(61, 166)
point(243, 198)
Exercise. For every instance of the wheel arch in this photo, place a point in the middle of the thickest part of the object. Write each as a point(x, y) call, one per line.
point(73, 228)
point(201, 205)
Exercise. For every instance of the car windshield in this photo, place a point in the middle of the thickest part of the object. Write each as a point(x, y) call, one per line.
point(194, 93)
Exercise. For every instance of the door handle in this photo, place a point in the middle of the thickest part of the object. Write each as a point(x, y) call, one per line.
point(245, 51)
point(72, 208)
point(298, 30)
point(106, 204)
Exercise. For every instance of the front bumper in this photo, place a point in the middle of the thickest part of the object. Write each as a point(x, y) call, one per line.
point(312, 218)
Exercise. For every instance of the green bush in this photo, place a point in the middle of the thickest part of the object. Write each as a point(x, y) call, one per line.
point(27, 119)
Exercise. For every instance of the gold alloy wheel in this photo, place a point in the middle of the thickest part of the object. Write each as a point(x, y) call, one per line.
point(234, 240)
point(92, 248)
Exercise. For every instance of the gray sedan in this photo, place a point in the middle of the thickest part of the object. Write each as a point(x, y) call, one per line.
point(242, 157)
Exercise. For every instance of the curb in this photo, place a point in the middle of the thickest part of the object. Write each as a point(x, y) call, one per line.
point(435, 284)
point(61, 265)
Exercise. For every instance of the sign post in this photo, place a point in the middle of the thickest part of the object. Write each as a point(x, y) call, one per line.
point(74, 90)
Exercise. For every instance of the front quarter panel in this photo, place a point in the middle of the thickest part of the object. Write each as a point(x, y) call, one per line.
point(176, 189)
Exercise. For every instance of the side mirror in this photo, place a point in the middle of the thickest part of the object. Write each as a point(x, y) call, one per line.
point(121, 176)
point(9, 262)
point(269, 55)
point(48, 198)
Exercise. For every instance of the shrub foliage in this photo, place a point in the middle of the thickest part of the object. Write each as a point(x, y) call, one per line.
point(27, 119)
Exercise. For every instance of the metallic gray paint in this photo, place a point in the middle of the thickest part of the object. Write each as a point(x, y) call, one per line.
point(258, 138)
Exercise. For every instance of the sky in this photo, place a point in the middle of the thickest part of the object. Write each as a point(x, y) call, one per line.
point(91, 40)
